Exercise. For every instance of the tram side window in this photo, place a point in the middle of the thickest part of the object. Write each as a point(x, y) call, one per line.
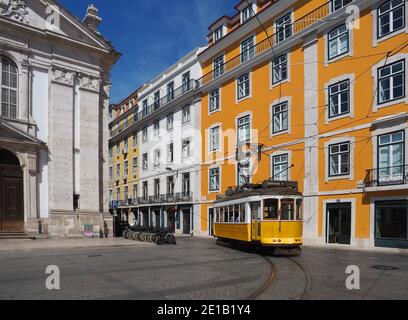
point(221, 215)
point(271, 209)
point(299, 210)
point(256, 210)
point(236, 213)
point(287, 207)
point(242, 216)
point(231, 214)
point(226, 214)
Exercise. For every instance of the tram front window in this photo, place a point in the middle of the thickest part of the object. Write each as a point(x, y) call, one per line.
point(299, 208)
point(271, 207)
point(287, 207)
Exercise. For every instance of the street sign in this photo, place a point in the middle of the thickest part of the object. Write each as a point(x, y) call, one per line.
point(115, 204)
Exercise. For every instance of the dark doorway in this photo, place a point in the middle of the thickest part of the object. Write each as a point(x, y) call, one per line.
point(187, 221)
point(157, 218)
point(339, 223)
point(211, 222)
point(391, 227)
point(11, 193)
point(171, 220)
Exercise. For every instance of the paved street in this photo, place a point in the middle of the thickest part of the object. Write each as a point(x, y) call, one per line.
point(199, 269)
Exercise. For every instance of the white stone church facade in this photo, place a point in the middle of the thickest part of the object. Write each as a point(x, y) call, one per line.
point(54, 97)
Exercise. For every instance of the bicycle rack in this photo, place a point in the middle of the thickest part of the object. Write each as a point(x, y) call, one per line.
point(158, 236)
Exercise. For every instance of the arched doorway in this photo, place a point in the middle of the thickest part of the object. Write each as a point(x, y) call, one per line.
point(11, 193)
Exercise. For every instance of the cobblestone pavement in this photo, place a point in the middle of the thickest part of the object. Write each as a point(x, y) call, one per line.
point(197, 269)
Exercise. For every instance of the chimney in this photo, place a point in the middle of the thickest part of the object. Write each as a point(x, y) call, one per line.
point(92, 18)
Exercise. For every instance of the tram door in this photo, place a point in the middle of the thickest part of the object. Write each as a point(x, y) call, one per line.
point(256, 216)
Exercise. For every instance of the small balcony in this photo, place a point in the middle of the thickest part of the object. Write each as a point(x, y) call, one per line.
point(384, 177)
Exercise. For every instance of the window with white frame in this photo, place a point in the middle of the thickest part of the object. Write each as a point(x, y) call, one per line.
point(391, 162)
point(144, 134)
point(110, 153)
point(126, 169)
point(391, 17)
point(170, 121)
point(391, 82)
point(284, 27)
point(156, 128)
point(126, 193)
point(186, 82)
point(215, 139)
point(243, 86)
point(339, 99)
point(338, 42)
point(338, 4)
point(145, 165)
point(247, 13)
point(280, 167)
point(145, 190)
point(144, 107)
point(110, 173)
point(157, 99)
point(186, 148)
point(135, 165)
point(118, 194)
point(170, 91)
point(135, 191)
point(339, 159)
point(218, 66)
point(170, 185)
point(170, 153)
point(218, 34)
point(244, 129)
point(280, 69)
point(214, 100)
point(186, 184)
point(157, 188)
point(110, 196)
point(118, 149)
point(243, 173)
point(8, 86)
point(280, 114)
point(118, 171)
point(126, 146)
point(186, 116)
point(157, 157)
point(134, 140)
point(214, 177)
point(247, 49)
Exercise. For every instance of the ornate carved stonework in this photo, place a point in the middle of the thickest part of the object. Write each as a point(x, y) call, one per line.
point(15, 9)
point(90, 83)
point(63, 76)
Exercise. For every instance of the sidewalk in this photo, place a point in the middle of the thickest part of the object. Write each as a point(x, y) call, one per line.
point(351, 248)
point(45, 244)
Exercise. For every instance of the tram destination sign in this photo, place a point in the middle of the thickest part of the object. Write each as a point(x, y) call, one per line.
point(280, 184)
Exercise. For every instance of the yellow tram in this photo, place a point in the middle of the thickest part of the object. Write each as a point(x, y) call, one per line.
point(266, 215)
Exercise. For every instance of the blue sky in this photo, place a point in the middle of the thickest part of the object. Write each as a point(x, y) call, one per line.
point(151, 34)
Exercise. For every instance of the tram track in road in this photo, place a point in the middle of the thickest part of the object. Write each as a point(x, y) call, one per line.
point(308, 279)
point(267, 283)
point(272, 277)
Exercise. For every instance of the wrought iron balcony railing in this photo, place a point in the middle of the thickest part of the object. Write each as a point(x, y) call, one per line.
point(158, 199)
point(389, 176)
point(278, 35)
point(135, 117)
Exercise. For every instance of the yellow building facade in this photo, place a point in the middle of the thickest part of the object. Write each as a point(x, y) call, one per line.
point(123, 154)
point(318, 89)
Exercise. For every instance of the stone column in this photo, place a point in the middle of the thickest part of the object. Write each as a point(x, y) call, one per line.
point(311, 182)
